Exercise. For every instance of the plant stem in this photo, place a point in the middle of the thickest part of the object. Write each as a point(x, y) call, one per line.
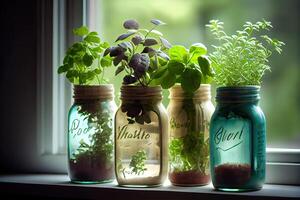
point(150, 31)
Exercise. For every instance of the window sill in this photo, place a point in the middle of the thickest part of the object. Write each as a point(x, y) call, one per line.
point(59, 187)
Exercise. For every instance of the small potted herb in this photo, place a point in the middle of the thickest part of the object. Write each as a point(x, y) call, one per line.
point(237, 129)
point(90, 121)
point(188, 74)
point(141, 123)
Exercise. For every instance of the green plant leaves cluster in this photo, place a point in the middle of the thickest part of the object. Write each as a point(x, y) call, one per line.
point(83, 62)
point(189, 67)
point(101, 145)
point(139, 52)
point(189, 153)
point(137, 162)
point(242, 59)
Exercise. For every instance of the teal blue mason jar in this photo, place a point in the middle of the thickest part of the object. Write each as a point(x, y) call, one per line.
point(238, 140)
point(91, 134)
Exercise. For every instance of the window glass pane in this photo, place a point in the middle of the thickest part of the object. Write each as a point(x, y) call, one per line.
point(186, 24)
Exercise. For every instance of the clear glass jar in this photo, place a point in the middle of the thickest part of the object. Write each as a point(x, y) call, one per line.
point(90, 136)
point(141, 136)
point(238, 140)
point(189, 136)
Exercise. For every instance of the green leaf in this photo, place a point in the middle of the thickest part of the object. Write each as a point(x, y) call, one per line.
point(178, 53)
point(204, 64)
point(198, 48)
point(159, 73)
point(156, 32)
point(68, 60)
point(175, 67)
point(81, 31)
point(62, 69)
point(106, 61)
point(162, 61)
point(98, 70)
point(92, 39)
point(76, 47)
point(71, 74)
point(168, 80)
point(93, 33)
point(191, 80)
point(87, 60)
point(104, 45)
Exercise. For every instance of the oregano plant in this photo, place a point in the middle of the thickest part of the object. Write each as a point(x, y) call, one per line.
point(242, 58)
point(83, 63)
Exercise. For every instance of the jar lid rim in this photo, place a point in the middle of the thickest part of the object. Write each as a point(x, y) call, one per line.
point(140, 92)
point(103, 91)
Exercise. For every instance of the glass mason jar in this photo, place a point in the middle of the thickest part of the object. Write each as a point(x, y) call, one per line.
point(141, 136)
point(90, 136)
point(238, 140)
point(189, 136)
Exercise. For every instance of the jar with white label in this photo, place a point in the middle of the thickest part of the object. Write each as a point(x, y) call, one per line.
point(238, 140)
point(90, 135)
point(141, 136)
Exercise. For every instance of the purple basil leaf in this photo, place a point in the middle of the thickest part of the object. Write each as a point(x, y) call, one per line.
point(163, 55)
point(125, 45)
point(107, 51)
point(118, 59)
point(128, 79)
point(134, 61)
point(148, 50)
point(124, 36)
point(131, 24)
point(119, 70)
point(115, 51)
point(165, 43)
point(150, 42)
point(137, 40)
point(157, 22)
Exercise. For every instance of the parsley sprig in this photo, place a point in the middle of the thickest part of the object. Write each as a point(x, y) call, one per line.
point(83, 63)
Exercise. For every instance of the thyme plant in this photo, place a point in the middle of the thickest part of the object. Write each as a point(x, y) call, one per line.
point(242, 58)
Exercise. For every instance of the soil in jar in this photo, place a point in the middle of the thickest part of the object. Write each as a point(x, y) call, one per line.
point(93, 160)
point(192, 177)
point(232, 175)
point(87, 168)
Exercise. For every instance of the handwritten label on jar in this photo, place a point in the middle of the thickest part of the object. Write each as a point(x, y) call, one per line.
point(140, 134)
point(225, 136)
point(231, 138)
point(178, 124)
point(77, 129)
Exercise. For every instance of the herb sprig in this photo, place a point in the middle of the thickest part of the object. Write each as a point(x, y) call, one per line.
point(100, 146)
point(139, 52)
point(83, 62)
point(137, 162)
point(242, 59)
point(189, 67)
